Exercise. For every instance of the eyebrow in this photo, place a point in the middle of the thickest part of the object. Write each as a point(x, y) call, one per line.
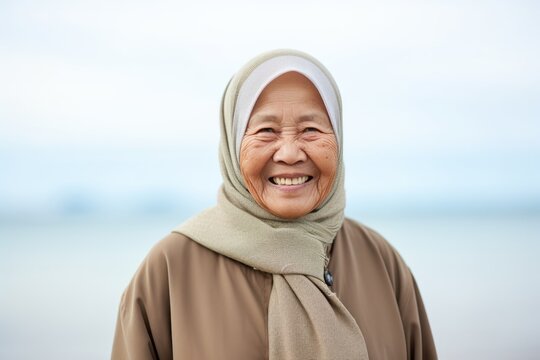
point(259, 118)
point(314, 116)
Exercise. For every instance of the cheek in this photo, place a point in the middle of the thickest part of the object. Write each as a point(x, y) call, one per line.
point(325, 156)
point(253, 158)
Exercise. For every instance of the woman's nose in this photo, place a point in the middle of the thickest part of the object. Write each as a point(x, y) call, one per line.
point(289, 152)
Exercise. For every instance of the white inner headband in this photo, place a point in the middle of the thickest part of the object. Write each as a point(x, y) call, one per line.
point(270, 70)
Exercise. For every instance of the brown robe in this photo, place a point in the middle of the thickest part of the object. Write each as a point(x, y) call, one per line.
point(188, 302)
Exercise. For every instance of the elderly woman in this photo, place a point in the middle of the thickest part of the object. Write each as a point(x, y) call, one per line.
point(274, 270)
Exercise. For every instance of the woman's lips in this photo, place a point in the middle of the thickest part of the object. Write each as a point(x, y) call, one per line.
point(290, 180)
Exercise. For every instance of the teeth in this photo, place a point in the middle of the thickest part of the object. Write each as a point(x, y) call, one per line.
point(290, 181)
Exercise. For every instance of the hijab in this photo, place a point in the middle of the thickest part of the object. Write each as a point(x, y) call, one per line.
point(305, 318)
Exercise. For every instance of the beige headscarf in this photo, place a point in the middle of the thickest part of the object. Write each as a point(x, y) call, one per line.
point(306, 320)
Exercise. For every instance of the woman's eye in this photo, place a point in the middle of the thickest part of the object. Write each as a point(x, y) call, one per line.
point(310, 129)
point(266, 130)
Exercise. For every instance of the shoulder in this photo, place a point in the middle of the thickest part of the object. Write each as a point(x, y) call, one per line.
point(362, 235)
point(178, 258)
point(166, 258)
point(177, 247)
point(371, 247)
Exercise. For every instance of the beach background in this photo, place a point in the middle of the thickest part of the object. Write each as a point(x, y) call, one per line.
point(109, 132)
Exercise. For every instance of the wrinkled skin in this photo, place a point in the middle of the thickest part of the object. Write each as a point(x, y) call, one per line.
point(289, 136)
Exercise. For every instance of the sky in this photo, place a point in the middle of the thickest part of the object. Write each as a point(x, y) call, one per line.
point(440, 97)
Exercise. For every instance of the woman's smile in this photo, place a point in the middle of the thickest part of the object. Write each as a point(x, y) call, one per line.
point(290, 186)
point(290, 181)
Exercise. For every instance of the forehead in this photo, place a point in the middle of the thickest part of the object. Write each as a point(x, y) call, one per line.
point(291, 87)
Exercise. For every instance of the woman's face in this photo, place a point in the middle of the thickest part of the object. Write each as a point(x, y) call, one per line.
point(289, 153)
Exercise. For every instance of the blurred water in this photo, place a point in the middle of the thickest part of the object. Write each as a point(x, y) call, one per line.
point(62, 280)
